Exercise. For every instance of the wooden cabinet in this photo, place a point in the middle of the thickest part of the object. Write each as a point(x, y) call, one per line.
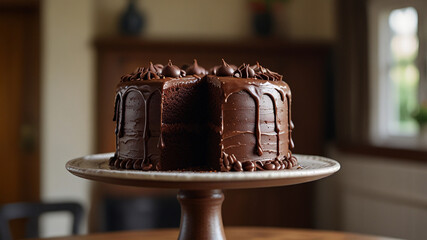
point(19, 104)
point(304, 66)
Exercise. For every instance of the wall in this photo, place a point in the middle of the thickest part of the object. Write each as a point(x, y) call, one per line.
point(180, 19)
point(68, 65)
point(308, 20)
point(219, 19)
point(67, 100)
point(374, 195)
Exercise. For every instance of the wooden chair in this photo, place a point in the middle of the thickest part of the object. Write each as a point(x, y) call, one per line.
point(32, 212)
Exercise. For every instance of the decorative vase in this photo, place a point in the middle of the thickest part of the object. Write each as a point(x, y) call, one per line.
point(131, 21)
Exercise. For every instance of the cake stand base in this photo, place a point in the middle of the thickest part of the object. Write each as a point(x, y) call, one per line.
point(201, 214)
point(200, 193)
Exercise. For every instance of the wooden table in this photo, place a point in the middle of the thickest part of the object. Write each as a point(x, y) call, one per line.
point(246, 233)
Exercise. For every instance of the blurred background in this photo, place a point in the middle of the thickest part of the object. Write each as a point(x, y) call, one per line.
point(357, 70)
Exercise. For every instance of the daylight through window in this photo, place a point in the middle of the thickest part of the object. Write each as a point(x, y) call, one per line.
point(397, 73)
point(403, 73)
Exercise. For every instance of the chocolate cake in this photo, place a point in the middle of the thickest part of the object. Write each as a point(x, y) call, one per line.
point(232, 119)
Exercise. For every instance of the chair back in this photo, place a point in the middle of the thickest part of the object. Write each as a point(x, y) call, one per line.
point(32, 212)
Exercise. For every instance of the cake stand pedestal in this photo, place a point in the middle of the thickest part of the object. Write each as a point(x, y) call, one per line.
point(200, 193)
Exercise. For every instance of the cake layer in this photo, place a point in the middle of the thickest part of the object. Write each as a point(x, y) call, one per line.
point(184, 101)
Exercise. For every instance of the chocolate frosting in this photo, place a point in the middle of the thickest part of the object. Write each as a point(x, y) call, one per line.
point(257, 67)
point(225, 70)
point(134, 133)
point(244, 71)
point(195, 69)
point(270, 75)
point(158, 67)
point(213, 69)
point(265, 73)
point(172, 71)
point(256, 89)
point(139, 138)
point(135, 75)
point(152, 72)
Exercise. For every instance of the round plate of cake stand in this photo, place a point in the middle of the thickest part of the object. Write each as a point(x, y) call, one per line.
point(200, 193)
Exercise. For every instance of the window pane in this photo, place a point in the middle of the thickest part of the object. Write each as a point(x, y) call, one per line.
point(403, 73)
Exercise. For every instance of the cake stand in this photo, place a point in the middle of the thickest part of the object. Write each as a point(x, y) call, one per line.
point(200, 193)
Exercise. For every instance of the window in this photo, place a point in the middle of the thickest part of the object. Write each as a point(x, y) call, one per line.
point(397, 70)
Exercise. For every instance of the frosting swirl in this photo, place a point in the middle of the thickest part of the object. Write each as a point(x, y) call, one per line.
point(135, 75)
point(265, 73)
point(151, 72)
point(158, 68)
point(270, 75)
point(158, 71)
point(244, 71)
point(257, 68)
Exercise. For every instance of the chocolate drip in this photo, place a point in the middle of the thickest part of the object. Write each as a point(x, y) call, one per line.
point(116, 109)
point(276, 123)
point(291, 124)
point(116, 117)
point(121, 116)
point(196, 69)
point(144, 163)
point(258, 126)
point(119, 123)
point(255, 93)
point(146, 134)
point(173, 71)
point(259, 72)
point(123, 112)
point(254, 90)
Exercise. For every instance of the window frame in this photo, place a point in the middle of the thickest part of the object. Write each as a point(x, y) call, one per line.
point(377, 13)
